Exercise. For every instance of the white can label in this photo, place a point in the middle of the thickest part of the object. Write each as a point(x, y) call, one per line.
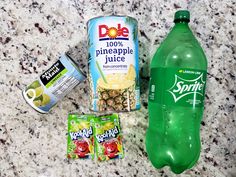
point(113, 63)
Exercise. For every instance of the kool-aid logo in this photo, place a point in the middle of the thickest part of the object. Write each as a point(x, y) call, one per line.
point(106, 33)
point(85, 133)
point(112, 133)
point(183, 87)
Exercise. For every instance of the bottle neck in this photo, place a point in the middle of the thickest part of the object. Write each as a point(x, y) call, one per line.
point(181, 31)
point(181, 24)
point(181, 27)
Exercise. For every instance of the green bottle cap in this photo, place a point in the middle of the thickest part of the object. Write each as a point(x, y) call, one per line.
point(182, 15)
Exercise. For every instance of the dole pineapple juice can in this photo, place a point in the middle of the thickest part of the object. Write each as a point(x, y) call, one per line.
point(51, 86)
point(113, 63)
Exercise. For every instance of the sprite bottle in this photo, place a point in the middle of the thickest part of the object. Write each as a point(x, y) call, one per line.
point(176, 98)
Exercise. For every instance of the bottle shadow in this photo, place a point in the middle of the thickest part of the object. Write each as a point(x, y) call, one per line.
point(144, 62)
point(79, 53)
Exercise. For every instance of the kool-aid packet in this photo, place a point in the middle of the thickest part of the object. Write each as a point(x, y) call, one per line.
point(108, 138)
point(80, 142)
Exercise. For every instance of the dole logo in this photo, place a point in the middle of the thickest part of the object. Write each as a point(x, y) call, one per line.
point(113, 32)
point(183, 87)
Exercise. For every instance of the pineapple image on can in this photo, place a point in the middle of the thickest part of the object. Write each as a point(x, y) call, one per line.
point(113, 63)
point(118, 94)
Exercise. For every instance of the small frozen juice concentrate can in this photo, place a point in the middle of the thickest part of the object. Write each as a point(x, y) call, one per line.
point(53, 84)
point(113, 63)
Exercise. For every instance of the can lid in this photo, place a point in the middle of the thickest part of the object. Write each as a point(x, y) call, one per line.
point(111, 16)
point(31, 103)
point(182, 15)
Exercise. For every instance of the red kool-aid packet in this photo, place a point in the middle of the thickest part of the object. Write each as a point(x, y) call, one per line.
point(108, 138)
point(80, 142)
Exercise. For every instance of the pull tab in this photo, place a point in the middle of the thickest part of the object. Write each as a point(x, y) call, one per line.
point(34, 94)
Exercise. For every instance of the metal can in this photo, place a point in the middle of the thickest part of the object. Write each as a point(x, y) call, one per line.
point(53, 84)
point(113, 63)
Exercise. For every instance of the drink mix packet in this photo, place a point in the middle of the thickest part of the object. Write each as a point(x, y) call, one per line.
point(80, 142)
point(108, 138)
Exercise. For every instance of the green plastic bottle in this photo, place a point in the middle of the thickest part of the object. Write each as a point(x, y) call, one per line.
point(176, 98)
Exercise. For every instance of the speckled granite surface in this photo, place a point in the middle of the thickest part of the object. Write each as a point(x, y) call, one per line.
point(34, 33)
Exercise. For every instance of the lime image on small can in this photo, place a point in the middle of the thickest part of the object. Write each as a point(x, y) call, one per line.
point(113, 63)
point(51, 86)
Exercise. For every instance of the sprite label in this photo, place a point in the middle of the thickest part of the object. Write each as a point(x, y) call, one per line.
point(180, 87)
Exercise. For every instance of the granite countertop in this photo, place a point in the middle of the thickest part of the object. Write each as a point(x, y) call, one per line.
point(34, 33)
